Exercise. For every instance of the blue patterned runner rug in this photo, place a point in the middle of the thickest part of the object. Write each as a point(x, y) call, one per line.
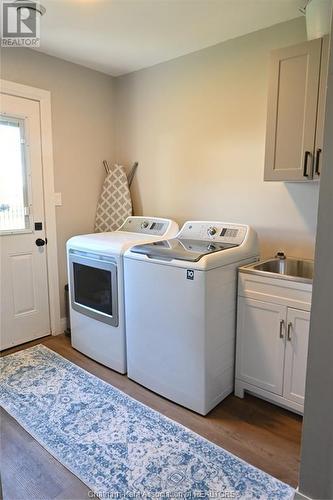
point(117, 446)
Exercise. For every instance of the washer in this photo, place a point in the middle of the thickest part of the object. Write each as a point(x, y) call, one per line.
point(181, 324)
point(96, 285)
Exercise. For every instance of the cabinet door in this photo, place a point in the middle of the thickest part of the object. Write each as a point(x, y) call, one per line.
point(261, 344)
point(292, 112)
point(298, 323)
point(321, 107)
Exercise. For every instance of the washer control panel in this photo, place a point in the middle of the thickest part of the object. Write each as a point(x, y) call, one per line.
point(222, 232)
point(145, 225)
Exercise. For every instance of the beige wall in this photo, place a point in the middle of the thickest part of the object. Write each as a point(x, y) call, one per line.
point(83, 126)
point(197, 127)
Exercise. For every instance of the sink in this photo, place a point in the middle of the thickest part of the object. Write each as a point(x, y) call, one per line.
point(290, 269)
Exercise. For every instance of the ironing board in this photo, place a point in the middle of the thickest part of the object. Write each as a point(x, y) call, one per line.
point(115, 202)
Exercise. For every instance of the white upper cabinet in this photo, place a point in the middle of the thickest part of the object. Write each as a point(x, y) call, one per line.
point(321, 108)
point(296, 108)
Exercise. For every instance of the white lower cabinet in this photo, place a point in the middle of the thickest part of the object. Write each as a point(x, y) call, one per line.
point(272, 346)
point(260, 356)
point(296, 355)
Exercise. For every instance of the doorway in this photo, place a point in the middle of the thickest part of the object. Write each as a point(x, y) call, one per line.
point(29, 302)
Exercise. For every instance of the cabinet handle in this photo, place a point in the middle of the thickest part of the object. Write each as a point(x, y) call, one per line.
point(281, 328)
point(289, 331)
point(317, 167)
point(305, 167)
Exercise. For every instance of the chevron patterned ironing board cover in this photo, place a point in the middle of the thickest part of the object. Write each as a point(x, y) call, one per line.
point(115, 202)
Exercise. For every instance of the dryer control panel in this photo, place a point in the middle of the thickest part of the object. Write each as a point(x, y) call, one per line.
point(145, 225)
point(222, 232)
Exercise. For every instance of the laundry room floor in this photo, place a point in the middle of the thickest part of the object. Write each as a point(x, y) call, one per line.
point(262, 434)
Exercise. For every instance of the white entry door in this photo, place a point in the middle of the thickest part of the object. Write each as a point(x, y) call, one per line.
point(24, 298)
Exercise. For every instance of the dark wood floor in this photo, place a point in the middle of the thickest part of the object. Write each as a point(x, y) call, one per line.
point(254, 430)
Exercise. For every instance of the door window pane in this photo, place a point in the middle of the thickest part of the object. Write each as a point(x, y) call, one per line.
point(14, 212)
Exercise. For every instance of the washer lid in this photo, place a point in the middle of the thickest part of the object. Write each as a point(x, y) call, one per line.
point(180, 249)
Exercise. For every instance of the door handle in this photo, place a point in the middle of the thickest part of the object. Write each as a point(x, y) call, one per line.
point(317, 167)
point(289, 331)
point(305, 166)
point(281, 328)
point(40, 243)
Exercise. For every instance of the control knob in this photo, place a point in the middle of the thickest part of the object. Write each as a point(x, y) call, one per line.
point(211, 231)
point(211, 247)
point(144, 224)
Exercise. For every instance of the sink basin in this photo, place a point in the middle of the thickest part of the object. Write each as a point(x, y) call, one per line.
point(291, 269)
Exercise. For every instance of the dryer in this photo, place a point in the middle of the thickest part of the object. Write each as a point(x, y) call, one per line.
point(180, 298)
point(96, 286)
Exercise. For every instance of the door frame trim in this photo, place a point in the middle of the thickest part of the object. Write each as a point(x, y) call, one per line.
point(43, 97)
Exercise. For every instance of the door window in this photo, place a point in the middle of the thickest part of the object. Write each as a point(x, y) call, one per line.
point(14, 203)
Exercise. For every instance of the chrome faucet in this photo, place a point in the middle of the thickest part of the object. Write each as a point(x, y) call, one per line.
point(281, 256)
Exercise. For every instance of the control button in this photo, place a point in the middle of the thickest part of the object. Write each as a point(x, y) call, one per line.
point(211, 247)
point(211, 231)
point(144, 224)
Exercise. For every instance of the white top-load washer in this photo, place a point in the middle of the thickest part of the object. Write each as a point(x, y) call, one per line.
point(181, 311)
point(96, 286)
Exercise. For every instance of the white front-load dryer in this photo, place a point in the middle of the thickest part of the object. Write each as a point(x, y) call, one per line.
point(96, 287)
point(181, 311)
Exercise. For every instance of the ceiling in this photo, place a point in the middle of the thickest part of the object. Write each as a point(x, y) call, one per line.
point(120, 36)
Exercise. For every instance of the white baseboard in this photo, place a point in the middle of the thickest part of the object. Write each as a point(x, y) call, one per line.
point(63, 326)
point(300, 496)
